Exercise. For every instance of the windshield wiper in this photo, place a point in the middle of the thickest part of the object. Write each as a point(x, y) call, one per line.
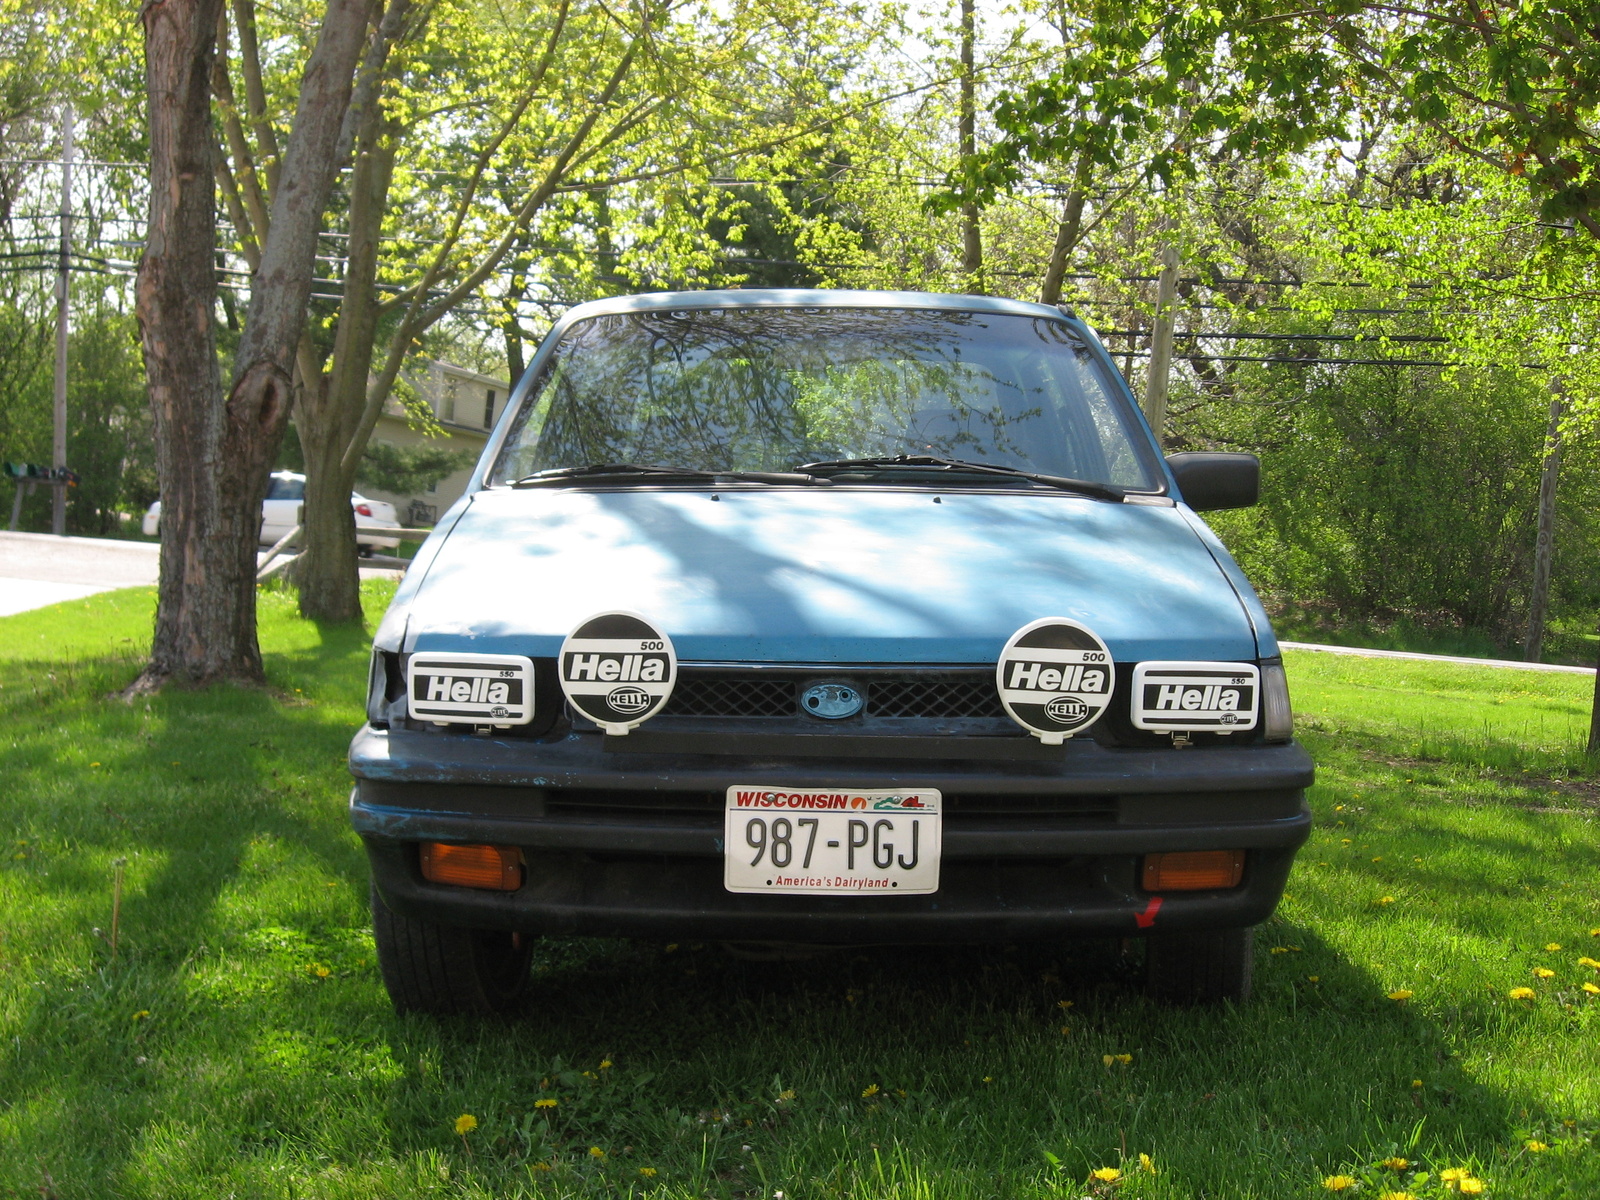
point(956, 466)
point(596, 472)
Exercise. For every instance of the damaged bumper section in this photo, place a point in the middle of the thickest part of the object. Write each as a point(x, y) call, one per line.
point(632, 844)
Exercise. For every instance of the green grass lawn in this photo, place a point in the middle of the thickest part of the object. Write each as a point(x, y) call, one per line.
point(240, 1043)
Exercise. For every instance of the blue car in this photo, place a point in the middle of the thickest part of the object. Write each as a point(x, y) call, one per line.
point(826, 617)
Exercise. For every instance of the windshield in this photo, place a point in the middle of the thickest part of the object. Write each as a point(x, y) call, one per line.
point(769, 389)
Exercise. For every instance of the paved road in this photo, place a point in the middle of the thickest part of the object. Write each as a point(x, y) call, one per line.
point(37, 569)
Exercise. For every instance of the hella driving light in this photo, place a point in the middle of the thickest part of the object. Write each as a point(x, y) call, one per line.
point(470, 689)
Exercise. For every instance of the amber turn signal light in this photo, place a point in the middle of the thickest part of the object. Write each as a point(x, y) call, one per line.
point(497, 868)
point(1193, 870)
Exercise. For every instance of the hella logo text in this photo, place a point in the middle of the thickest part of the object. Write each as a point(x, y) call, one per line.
point(615, 668)
point(1056, 677)
point(477, 690)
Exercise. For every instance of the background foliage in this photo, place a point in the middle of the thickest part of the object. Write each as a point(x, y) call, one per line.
point(1387, 211)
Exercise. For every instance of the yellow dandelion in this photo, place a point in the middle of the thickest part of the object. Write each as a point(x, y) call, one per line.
point(1106, 1174)
point(545, 1103)
point(872, 1089)
point(1146, 1163)
point(1066, 1029)
point(1396, 1163)
point(1396, 1196)
point(786, 1095)
point(140, 1015)
point(322, 971)
point(1521, 993)
point(1068, 1003)
point(1454, 1174)
point(1280, 950)
point(1594, 933)
point(1339, 1183)
point(605, 1064)
point(1535, 1146)
point(1400, 995)
point(1416, 1083)
point(94, 764)
point(466, 1123)
point(988, 1078)
point(648, 1172)
point(1379, 858)
point(1344, 841)
point(1385, 899)
point(1471, 1186)
point(1313, 978)
point(596, 1152)
point(1586, 961)
point(1592, 989)
point(1544, 973)
point(1552, 946)
point(543, 1166)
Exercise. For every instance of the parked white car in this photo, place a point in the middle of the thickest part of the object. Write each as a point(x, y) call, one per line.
point(280, 512)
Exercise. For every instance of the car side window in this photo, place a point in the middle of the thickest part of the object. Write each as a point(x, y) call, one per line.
point(287, 489)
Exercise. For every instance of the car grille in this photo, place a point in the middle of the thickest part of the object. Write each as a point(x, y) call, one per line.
point(888, 693)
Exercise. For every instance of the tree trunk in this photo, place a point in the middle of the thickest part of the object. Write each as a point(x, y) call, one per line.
point(213, 452)
point(326, 571)
point(210, 516)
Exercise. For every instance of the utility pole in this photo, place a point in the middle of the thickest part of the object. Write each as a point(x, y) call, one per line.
point(967, 135)
point(1155, 385)
point(1544, 543)
point(58, 519)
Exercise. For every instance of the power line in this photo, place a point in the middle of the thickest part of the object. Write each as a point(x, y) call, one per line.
point(1285, 361)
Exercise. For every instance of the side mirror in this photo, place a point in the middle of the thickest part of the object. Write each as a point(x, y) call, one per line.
point(1210, 480)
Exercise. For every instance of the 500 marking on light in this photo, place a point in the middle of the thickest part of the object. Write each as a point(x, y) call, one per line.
point(470, 689)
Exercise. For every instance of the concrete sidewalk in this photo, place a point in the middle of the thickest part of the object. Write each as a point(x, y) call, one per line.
point(1508, 663)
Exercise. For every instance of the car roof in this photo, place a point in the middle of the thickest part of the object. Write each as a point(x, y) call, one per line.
point(807, 298)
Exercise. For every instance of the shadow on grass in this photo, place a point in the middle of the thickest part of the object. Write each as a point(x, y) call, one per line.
point(954, 1070)
point(963, 1058)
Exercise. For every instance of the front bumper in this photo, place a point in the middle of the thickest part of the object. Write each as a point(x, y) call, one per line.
point(631, 844)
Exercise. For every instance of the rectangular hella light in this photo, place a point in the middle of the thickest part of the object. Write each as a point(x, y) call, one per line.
point(1191, 697)
point(470, 689)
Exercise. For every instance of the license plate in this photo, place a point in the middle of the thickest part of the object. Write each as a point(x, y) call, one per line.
point(827, 840)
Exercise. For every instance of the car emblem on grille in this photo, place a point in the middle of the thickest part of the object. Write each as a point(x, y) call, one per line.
point(834, 701)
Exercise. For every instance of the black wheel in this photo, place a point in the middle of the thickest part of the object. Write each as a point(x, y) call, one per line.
point(1202, 966)
point(440, 969)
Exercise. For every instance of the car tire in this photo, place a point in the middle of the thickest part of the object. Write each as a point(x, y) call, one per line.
point(443, 970)
point(1200, 966)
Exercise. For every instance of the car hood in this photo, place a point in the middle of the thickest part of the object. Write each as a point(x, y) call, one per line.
point(817, 575)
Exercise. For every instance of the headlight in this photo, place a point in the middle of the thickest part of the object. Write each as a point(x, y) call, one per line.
point(1277, 718)
point(384, 685)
